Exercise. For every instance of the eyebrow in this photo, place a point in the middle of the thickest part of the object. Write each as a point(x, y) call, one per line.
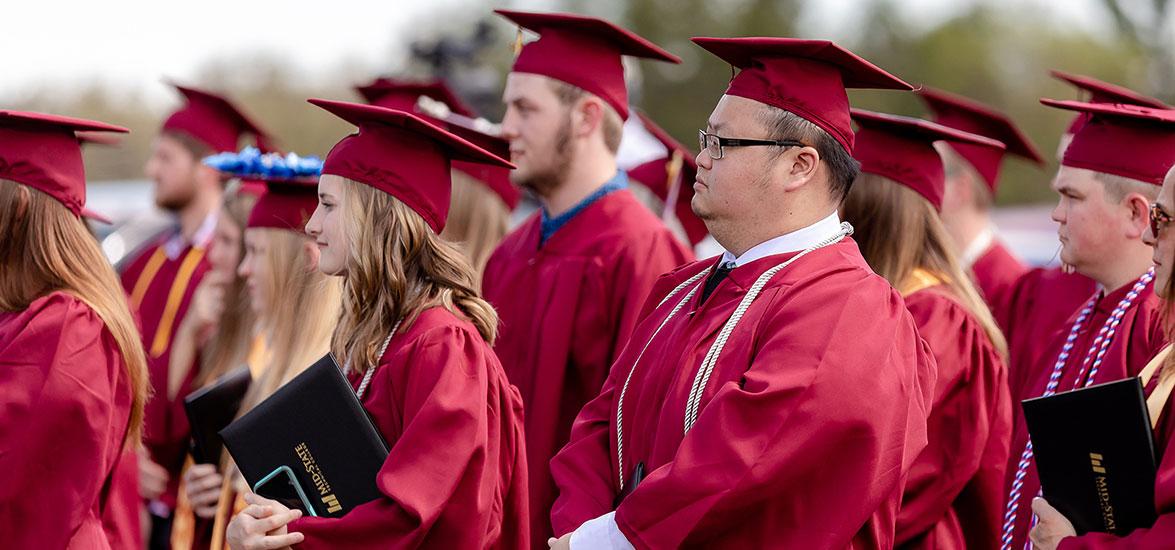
point(716, 126)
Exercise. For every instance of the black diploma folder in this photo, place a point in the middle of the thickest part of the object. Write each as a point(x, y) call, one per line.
point(1096, 455)
point(213, 407)
point(310, 445)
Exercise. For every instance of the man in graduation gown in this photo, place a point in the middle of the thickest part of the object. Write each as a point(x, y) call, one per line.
point(1054, 530)
point(568, 283)
point(161, 277)
point(776, 397)
point(1109, 175)
point(1037, 305)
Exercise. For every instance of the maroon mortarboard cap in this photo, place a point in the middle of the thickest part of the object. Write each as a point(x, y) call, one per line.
point(402, 95)
point(1131, 141)
point(43, 152)
point(1099, 91)
point(213, 120)
point(805, 77)
point(655, 175)
point(902, 149)
point(402, 155)
point(968, 115)
point(496, 178)
point(582, 51)
point(285, 204)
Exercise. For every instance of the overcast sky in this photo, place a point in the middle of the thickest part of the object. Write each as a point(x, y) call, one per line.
point(131, 44)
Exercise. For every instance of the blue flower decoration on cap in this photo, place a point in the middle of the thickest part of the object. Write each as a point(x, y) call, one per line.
point(253, 164)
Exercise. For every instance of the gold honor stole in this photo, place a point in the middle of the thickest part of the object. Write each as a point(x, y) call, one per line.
point(1158, 398)
point(175, 295)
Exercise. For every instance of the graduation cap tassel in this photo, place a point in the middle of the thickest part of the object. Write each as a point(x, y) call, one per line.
point(673, 184)
point(518, 43)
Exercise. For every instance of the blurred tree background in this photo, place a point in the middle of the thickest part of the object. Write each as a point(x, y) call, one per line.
point(989, 51)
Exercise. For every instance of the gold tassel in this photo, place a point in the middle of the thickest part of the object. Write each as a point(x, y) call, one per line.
point(518, 43)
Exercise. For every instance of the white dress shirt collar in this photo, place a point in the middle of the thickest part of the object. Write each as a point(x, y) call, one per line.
point(790, 242)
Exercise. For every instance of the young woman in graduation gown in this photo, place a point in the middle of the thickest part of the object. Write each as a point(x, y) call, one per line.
point(953, 493)
point(415, 340)
point(1054, 531)
point(73, 377)
point(217, 335)
point(295, 306)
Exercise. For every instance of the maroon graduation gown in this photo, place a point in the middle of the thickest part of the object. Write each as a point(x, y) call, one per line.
point(1160, 536)
point(807, 427)
point(953, 495)
point(160, 291)
point(1138, 338)
point(996, 270)
point(1033, 311)
point(456, 474)
point(64, 406)
point(567, 309)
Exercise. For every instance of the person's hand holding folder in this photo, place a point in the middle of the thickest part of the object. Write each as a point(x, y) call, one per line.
point(262, 526)
point(1051, 527)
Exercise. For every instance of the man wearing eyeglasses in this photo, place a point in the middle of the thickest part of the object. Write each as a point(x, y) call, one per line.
point(773, 397)
point(568, 283)
point(1110, 174)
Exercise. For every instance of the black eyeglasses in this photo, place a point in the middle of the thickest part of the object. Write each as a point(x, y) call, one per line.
point(713, 144)
point(1159, 219)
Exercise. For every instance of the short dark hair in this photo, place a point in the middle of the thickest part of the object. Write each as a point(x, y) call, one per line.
point(842, 167)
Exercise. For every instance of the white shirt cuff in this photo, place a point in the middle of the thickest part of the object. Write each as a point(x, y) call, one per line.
point(600, 533)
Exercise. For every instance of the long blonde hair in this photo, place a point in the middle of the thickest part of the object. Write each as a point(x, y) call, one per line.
point(299, 317)
point(478, 219)
point(397, 268)
point(899, 232)
point(47, 248)
point(229, 346)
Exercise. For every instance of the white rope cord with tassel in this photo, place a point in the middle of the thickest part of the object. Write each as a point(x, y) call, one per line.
point(707, 366)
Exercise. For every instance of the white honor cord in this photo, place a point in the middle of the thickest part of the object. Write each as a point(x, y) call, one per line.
point(707, 366)
point(371, 368)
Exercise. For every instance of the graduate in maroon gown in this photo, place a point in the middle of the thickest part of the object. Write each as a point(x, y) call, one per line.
point(483, 196)
point(1054, 530)
point(1039, 303)
point(972, 181)
point(776, 397)
point(953, 494)
point(568, 283)
point(73, 376)
point(161, 278)
point(1109, 175)
point(415, 340)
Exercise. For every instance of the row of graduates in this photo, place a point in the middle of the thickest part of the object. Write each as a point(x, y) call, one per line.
point(863, 396)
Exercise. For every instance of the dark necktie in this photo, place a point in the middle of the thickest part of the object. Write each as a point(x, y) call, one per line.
point(716, 277)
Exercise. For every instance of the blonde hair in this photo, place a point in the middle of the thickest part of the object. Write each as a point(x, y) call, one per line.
point(397, 268)
point(229, 346)
point(47, 248)
point(899, 232)
point(478, 220)
point(300, 314)
point(611, 127)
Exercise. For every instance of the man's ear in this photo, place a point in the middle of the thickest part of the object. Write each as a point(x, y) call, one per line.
point(587, 117)
point(207, 176)
point(799, 166)
point(1139, 209)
